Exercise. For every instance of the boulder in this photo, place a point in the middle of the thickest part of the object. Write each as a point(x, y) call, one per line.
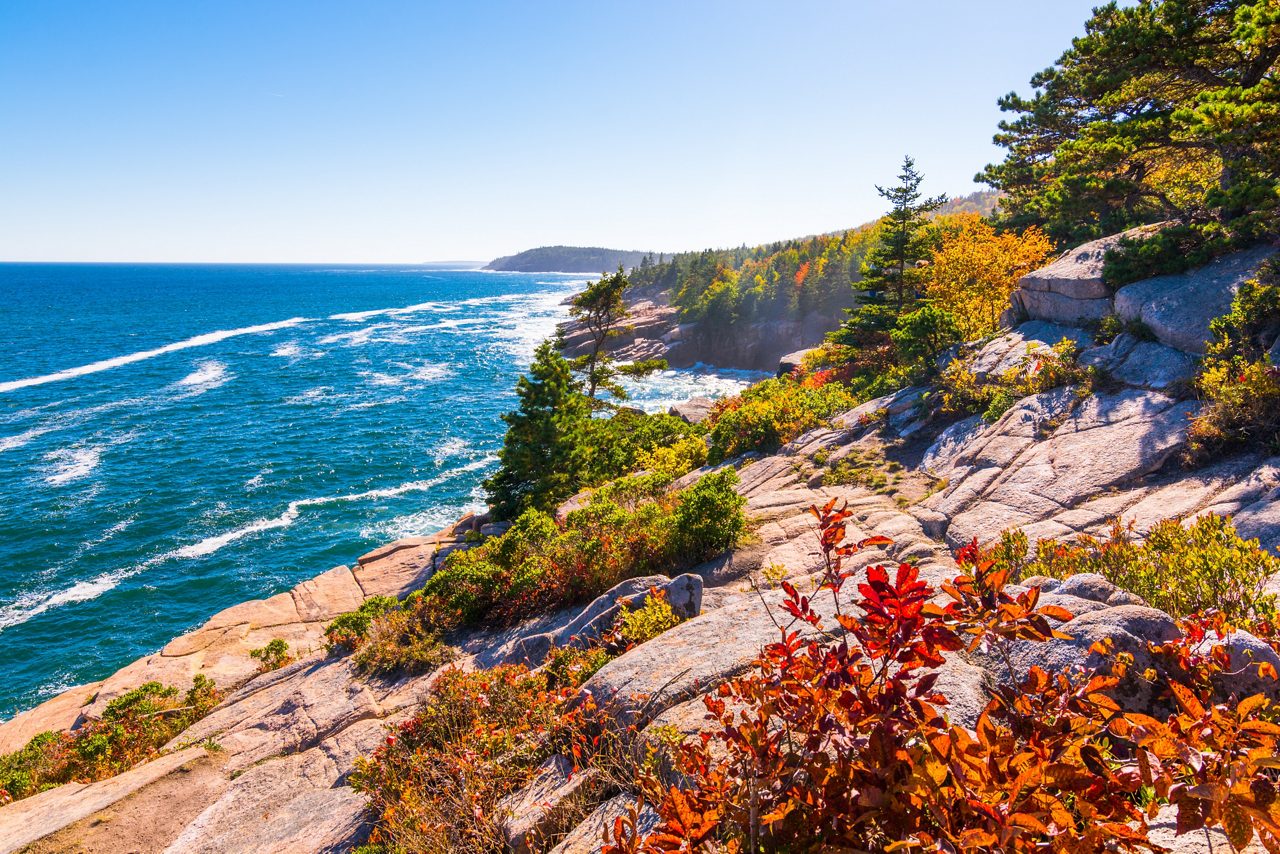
point(1071, 289)
point(793, 361)
point(694, 410)
point(1178, 308)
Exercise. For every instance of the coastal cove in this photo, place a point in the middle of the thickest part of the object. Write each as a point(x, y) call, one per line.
point(186, 438)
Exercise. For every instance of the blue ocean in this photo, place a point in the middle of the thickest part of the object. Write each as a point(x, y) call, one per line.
point(175, 439)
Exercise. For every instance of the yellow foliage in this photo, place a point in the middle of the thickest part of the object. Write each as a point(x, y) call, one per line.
point(976, 269)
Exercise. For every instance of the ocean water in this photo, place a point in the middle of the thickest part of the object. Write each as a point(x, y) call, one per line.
point(175, 439)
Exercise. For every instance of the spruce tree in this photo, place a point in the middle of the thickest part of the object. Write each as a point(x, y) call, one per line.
point(890, 274)
point(540, 460)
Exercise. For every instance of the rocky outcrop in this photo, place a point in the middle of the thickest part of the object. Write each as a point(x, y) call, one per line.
point(652, 330)
point(1071, 289)
point(1175, 309)
point(1055, 464)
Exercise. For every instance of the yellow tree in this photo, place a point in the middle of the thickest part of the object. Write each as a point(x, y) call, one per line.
point(976, 269)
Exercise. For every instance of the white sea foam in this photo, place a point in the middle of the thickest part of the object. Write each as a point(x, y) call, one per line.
point(31, 605)
point(426, 373)
point(288, 350)
point(9, 443)
point(451, 448)
point(209, 374)
point(419, 524)
point(119, 361)
point(209, 545)
point(71, 464)
point(357, 316)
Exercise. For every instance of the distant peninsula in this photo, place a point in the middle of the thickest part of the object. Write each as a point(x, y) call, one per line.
point(567, 259)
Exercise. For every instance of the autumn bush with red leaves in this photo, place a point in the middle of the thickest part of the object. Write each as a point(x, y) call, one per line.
point(838, 738)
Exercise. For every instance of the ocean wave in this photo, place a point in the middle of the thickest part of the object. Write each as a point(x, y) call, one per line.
point(31, 605)
point(120, 361)
point(357, 316)
point(209, 374)
point(9, 443)
point(429, 372)
point(209, 545)
point(418, 524)
point(71, 464)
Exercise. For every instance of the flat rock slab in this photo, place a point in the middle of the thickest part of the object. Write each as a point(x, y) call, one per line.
point(25, 821)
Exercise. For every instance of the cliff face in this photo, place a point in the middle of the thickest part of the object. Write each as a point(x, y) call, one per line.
point(1055, 464)
point(652, 329)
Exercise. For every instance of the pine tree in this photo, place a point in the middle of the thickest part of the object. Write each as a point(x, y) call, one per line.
point(890, 274)
point(540, 465)
point(1163, 109)
point(600, 309)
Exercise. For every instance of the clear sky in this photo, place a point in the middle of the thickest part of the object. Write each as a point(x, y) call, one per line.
point(413, 131)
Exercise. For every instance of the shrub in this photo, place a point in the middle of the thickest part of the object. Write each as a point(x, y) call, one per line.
point(436, 783)
point(708, 519)
point(402, 640)
point(676, 459)
point(132, 729)
point(771, 413)
point(615, 446)
point(347, 630)
point(643, 624)
point(841, 743)
point(1237, 382)
point(273, 656)
point(1181, 570)
point(630, 528)
point(963, 393)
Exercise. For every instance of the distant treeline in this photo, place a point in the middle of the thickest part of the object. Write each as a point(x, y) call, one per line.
point(567, 259)
point(788, 279)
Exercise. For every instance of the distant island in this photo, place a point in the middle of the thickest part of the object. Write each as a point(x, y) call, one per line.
point(567, 259)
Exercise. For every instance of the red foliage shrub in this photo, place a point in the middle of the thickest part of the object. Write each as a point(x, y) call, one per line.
point(842, 744)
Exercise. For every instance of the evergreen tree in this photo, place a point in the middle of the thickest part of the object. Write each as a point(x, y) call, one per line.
point(891, 265)
point(1163, 109)
point(540, 465)
point(600, 309)
point(890, 274)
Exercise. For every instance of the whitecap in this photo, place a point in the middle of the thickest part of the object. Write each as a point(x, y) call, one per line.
point(209, 545)
point(119, 361)
point(357, 316)
point(288, 350)
point(418, 524)
point(9, 443)
point(71, 464)
point(209, 374)
point(33, 604)
point(428, 372)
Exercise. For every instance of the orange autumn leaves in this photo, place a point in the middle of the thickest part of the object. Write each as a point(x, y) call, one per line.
point(976, 269)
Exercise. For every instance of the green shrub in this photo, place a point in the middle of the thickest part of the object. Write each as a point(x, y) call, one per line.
point(708, 519)
point(1181, 570)
point(132, 729)
point(1237, 382)
point(273, 656)
point(963, 393)
point(402, 640)
point(771, 413)
point(347, 630)
point(631, 528)
point(643, 624)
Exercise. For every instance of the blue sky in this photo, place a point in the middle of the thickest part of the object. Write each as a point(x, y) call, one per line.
point(413, 131)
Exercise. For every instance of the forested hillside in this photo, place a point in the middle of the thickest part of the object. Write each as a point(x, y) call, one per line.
point(567, 259)
point(785, 280)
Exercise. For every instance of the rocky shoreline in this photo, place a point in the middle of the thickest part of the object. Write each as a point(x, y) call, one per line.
point(1056, 464)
